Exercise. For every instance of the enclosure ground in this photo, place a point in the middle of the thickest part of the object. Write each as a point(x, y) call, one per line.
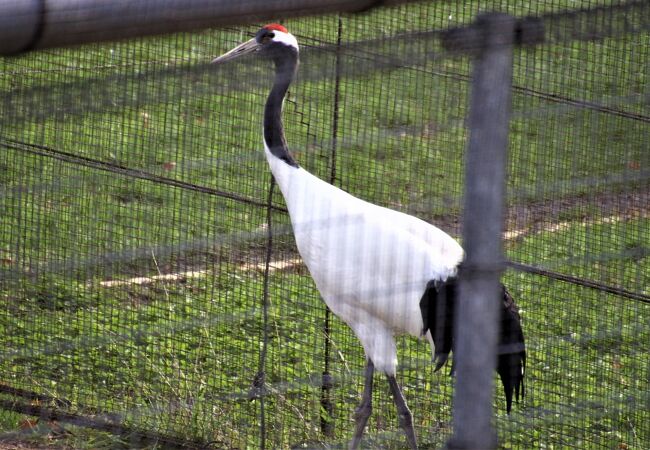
point(134, 236)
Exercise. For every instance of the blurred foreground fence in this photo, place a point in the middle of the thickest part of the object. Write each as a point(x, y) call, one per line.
point(134, 256)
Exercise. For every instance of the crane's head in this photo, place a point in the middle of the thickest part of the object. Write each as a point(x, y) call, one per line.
point(272, 39)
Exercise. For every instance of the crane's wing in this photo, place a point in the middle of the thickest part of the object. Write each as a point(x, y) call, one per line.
point(439, 242)
point(340, 234)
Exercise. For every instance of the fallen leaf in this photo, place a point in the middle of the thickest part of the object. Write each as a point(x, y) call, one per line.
point(28, 424)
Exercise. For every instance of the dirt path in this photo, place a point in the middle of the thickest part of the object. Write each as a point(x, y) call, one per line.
point(522, 220)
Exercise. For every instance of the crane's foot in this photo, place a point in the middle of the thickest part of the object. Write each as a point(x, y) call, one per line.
point(362, 413)
point(403, 413)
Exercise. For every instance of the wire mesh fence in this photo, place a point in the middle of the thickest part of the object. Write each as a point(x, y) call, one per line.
point(142, 292)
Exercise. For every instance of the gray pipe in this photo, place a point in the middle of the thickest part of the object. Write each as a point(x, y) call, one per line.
point(37, 24)
point(20, 22)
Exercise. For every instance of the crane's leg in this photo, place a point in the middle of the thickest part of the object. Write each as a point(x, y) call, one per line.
point(362, 413)
point(403, 412)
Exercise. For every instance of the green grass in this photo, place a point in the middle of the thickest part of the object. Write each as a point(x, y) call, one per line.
point(179, 357)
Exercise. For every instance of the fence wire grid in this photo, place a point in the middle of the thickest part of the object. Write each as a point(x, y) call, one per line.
point(142, 292)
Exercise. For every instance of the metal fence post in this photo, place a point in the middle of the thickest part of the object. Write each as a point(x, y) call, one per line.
point(476, 330)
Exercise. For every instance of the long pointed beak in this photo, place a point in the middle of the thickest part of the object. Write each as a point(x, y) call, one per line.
point(241, 50)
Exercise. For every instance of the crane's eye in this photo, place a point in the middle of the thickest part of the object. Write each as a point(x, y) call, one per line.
point(267, 37)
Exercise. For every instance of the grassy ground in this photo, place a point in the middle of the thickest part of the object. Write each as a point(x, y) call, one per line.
point(178, 357)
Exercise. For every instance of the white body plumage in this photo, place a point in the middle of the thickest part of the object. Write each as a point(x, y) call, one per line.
point(371, 264)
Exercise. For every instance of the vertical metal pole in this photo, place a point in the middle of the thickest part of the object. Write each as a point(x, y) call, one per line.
point(327, 407)
point(258, 389)
point(477, 314)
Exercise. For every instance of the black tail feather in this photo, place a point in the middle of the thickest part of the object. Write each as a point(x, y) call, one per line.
point(437, 306)
point(511, 362)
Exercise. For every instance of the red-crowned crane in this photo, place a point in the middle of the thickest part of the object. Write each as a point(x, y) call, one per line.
point(381, 271)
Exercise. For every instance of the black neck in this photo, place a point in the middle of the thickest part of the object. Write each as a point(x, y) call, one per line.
point(286, 61)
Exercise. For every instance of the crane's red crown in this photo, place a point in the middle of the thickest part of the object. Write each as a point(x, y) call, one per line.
point(275, 26)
